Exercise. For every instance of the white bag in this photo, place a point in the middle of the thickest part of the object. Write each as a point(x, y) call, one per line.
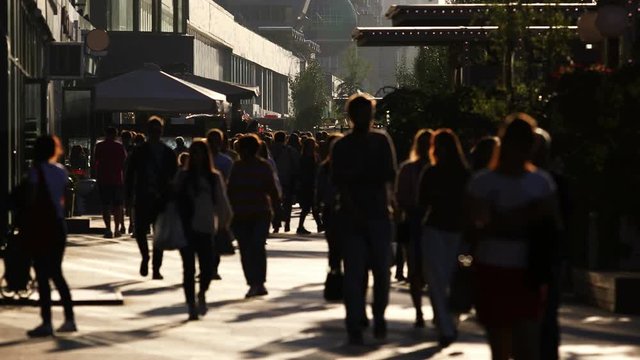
point(168, 233)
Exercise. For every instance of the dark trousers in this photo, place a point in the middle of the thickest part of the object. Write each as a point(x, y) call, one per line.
point(146, 215)
point(305, 210)
point(550, 329)
point(199, 244)
point(252, 235)
point(49, 267)
point(369, 247)
point(287, 205)
point(332, 234)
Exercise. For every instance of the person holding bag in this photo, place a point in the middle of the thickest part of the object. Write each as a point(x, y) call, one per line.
point(204, 208)
point(46, 241)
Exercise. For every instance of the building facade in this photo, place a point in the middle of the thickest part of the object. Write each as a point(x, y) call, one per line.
point(31, 95)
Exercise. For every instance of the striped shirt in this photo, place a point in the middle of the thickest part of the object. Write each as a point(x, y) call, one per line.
point(252, 190)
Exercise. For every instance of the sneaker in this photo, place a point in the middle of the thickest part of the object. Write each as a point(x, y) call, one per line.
point(108, 234)
point(445, 341)
point(321, 229)
point(117, 234)
point(43, 330)
point(303, 231)
point(193, 313)
point(67, 327)
point(287, 228)
point(144, 267)
point(255, 291)
point(419, 324)
point(157, 275)
point(202, 305)
point(276, 230)
point(216, 277)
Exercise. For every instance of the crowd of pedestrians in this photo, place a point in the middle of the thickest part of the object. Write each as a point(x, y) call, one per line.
point(500, 206)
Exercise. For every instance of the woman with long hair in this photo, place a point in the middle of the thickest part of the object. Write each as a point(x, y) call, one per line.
point(410, 228)
point(254, 194)
point(484, 152)
point(204, 209)
point(441, 193)
point(308, 169)
point(509, 203)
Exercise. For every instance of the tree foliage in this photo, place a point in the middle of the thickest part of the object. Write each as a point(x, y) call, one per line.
point(430, 72)
point(355, 72)
point(310, 96)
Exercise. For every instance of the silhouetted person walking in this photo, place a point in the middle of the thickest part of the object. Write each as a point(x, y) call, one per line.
point(308, 171)
point(180, 146)
point(109, 163)
point(150, 172)
point(204, 210)
point(253, 194)
point(515, 206)
point(46, 237)
point(363, 169)
point(287, 163)
point(410, 229)
point(441, 193)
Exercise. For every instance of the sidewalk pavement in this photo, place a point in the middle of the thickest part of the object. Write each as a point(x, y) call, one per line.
point(292, 322)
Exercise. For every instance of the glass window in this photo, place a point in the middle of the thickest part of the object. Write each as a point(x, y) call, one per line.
point(146, 15)
point(120, 15)
point(167, 16)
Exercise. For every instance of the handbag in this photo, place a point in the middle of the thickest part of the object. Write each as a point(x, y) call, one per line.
point(333, 286)
point(223, 242)
point(168, 230)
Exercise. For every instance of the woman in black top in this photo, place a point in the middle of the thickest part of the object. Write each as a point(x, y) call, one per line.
point(441, 193)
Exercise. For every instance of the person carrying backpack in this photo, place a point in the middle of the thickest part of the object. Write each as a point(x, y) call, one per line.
point(46, 241)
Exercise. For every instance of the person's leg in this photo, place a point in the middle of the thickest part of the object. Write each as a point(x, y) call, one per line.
point(333, 243)
point(204, 249)
point(188, 278)
point(107, 204)
point(436, 273)
point(141, 226)
point(61, 285)
point(261, 231)
point(317, 218)
point(526, 340)
point(550, 329)
point(500, 342)
point(242, 233)
point(304, 211)
point(157, 253)
point(287, 205)
point(380, 234)
point(42, 266)
point(355, 270)
point(399, 261)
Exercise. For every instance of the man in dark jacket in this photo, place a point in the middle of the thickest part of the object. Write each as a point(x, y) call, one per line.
point(287, 162)
point(363, 170)
point(150, 172)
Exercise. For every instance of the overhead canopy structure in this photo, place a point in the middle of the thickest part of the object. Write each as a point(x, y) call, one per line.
point(446, 24)
point(470, 14)
point(232, 91)
point(428, 35)
point(152, 90)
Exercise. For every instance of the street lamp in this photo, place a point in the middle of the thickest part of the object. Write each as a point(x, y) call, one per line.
point(609, 22)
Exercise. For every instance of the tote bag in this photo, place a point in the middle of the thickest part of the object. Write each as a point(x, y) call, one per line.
point(168, 230)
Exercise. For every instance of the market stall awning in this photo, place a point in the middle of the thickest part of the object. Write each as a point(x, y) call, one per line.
point(233, 91)
point(150, 89)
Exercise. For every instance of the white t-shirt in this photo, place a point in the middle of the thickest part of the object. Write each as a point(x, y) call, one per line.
point(505, 193)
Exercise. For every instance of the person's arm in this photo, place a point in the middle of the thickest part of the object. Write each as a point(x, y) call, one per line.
point(222, 205)
point(271, 187)
point(129, 176)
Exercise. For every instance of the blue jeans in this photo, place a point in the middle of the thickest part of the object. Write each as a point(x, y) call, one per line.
point(252, 236)
point(364, 249)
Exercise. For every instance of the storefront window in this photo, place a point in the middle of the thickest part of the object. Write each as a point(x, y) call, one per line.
point(121, 15)
point(146, 15)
